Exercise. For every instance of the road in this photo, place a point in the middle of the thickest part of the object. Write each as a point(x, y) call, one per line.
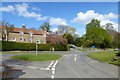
point(73, 64)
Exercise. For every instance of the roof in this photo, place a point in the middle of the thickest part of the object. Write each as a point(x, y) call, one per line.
point(27, 31)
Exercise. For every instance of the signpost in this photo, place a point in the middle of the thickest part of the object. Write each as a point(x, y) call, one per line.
point(37, 42)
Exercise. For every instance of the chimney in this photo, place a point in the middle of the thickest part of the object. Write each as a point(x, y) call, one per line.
point(24, 26)
point(45, 29)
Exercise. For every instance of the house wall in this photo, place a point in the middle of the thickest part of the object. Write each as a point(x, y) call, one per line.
point(16, 37)
point(37, 37)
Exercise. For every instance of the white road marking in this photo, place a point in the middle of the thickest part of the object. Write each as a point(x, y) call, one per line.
point(53, 72)
point(75, 58)
point(51, 64)
point(53, 69)
point(52, 77)
point(75, 55)
point(31, 67)
point(94, 61)
point(64, 55)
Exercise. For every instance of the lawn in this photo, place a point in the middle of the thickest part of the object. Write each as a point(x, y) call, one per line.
point(39, 57)
point(105, 56)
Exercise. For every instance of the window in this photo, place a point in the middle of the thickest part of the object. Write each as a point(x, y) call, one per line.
point(21, 39)
point(14, 39)
point(31, 34)
point(21, 33)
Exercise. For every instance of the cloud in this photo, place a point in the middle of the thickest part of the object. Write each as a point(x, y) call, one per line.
point(111, 16)
point(55, 30)
point(22, 10)
point(57, 21)
point(76, 32)
point(36, 9)
point(89, 15)
point(7, 8)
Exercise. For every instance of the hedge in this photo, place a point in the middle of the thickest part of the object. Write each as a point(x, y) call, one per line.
point(14, 46)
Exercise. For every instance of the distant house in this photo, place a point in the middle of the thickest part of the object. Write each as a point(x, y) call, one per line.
point(24, 35)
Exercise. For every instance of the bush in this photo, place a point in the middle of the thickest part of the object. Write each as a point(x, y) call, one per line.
point(12, 46)
point(60, 47)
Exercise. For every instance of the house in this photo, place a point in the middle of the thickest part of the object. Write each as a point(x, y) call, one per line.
point(24, 35)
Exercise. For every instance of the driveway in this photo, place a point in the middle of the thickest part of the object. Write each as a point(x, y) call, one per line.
point(73, 64)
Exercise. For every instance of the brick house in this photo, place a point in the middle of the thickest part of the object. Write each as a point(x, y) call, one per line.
point(24, 35)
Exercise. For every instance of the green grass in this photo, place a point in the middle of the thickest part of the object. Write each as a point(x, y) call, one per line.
point(105, 56)
point(39, 57)
point(8, 52)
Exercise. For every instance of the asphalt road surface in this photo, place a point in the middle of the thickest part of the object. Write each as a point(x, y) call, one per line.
point(73, 64)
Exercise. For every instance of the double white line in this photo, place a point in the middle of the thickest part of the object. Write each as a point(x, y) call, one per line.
point(53, 66)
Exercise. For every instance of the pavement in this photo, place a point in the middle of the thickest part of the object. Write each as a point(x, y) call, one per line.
point(73, 64)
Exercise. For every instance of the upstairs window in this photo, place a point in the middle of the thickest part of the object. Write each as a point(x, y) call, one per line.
point(31, 34)
point(21, 33)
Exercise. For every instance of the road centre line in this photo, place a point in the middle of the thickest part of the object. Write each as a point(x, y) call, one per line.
point(52, 76)
point(75, 58)
point(53, 72)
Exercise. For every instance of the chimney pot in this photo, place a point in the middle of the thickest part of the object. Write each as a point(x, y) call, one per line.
point(24, 26)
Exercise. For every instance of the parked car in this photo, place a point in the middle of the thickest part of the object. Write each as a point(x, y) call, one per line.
point(73, 46)
point(116, 49)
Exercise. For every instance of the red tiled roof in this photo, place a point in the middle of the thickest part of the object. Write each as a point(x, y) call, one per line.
point(37, 32)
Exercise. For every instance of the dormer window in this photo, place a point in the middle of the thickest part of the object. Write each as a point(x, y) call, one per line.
point(31, 34)
point(21, 33)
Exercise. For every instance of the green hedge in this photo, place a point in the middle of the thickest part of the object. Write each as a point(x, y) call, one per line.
point(60, 47)
point(12, 46)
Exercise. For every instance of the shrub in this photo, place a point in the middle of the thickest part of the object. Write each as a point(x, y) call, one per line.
point(11, 46)
point(60, 47)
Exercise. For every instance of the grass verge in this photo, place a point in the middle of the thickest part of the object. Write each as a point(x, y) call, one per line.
point(39, 57)
point(105, 56)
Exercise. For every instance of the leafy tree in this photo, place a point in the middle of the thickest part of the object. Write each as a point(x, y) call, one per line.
point(69, 38)
point(78, 42)
point(93, 23)
point(45, 26)
point(96, 35)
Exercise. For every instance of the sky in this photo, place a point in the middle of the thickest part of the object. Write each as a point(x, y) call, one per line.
point(75, 14)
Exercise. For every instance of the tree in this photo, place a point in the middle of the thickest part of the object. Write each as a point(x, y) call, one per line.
point(7, 29)
point(68, 33)
point(45, 26)
point(93, 23)
point(96, 35)
point(65, 29)
point(69, 38)
point(111, 31)
point(77, 42)
point(56, 39)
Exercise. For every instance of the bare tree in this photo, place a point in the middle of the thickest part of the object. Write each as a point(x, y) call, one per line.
point(7, 28)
